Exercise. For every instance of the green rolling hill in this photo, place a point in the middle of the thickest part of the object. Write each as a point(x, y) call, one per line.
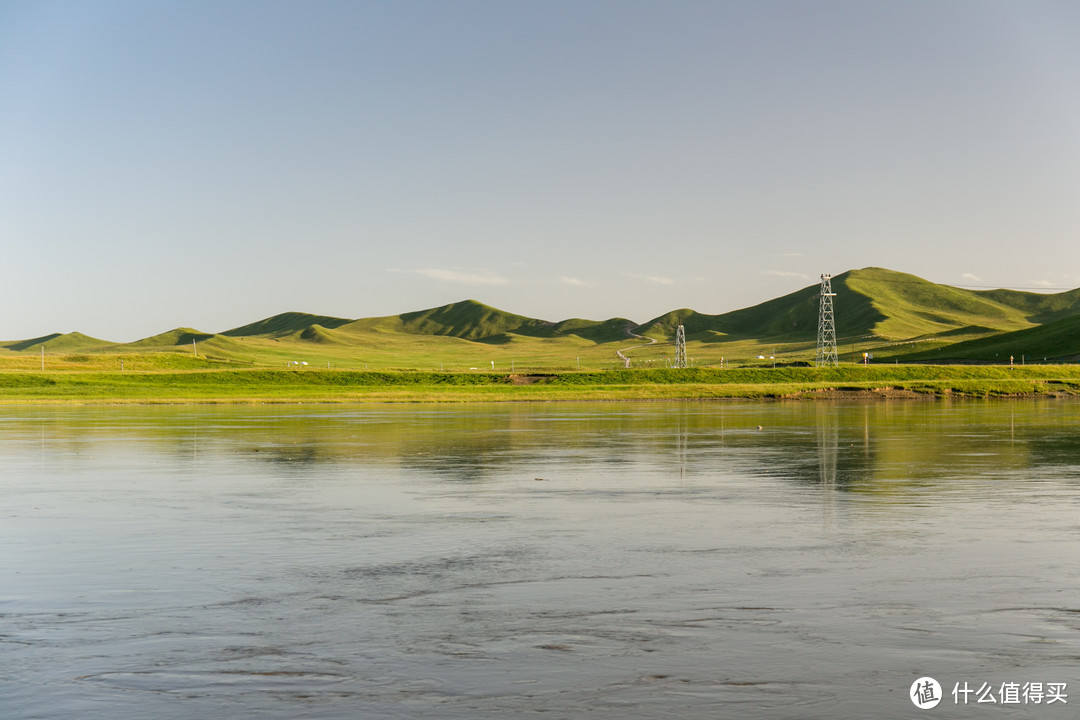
point(613, 330)
point(469, 320)
point(1058, 340)
point(895, 315)
point(1037, 307)
point(285, 324)
point(57, 342)
point(321, 335)
point(869, 302)
point(179, 336)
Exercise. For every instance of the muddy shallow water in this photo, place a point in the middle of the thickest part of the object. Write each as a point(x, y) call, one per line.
point(617, 560)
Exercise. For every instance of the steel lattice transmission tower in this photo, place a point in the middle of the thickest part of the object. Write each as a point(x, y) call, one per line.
point(680, 347)
point(826, 328)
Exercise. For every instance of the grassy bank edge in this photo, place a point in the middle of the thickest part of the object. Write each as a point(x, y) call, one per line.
point(283, 386)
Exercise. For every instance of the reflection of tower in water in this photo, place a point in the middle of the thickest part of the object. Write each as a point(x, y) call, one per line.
point(828, 441)
point(681, 440)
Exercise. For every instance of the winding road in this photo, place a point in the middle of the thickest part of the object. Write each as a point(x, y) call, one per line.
point(626, 360)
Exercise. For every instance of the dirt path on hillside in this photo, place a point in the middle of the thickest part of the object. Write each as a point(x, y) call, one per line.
point(626, 360)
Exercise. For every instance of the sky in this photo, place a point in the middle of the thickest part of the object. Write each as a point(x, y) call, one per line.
point(210, 163)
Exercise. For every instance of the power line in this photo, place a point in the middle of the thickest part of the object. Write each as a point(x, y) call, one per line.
point(826, 331)
point(680, 347)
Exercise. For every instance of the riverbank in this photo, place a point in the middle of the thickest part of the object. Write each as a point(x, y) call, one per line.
point(331, 386)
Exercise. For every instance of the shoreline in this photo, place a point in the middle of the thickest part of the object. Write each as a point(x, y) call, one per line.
point(695, 384)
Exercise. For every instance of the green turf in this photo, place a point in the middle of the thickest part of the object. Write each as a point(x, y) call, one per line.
point(350, 386)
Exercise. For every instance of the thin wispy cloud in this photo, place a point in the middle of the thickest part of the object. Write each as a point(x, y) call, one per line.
point(972, 278)
point(786, 273)
point(1058, 281)
point(658, 279)
point(793, 254)
point(576, 282)
point(463, 277)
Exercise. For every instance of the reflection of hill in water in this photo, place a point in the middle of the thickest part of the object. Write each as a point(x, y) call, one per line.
point(882, 449)
point(893, 448)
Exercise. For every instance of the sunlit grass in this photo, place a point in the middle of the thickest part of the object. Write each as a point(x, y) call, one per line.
point(320, 385)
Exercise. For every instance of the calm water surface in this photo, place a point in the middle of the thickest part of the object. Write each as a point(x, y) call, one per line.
point(653, 560)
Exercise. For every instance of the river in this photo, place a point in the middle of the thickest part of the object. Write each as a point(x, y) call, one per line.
point(600, 560)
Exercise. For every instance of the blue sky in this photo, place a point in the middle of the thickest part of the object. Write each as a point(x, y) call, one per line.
point(208, 164)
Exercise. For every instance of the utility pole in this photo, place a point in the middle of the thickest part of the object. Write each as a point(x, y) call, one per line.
point(680, 347)
point(826, 331)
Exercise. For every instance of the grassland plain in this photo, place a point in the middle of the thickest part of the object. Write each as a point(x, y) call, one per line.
point(887, 316)
point(335, 386)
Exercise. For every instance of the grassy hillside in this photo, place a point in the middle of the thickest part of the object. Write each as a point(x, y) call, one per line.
point(894, 316)
point(790, 318)
point(56, 342)
point(794, 317)
point(1058, 340)
point(613, 330)
point(913, 307)
point(179, 336)
point(468, 319)
point(322, 335)
point(1037, 307)
point(285, 324)
point(869, 302)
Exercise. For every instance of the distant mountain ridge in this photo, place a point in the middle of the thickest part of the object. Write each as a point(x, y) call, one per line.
point(1058, 339)
point(54, 342)
point(876, 302)
point(285, 324)
point(468, 320)
point(870, 303)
